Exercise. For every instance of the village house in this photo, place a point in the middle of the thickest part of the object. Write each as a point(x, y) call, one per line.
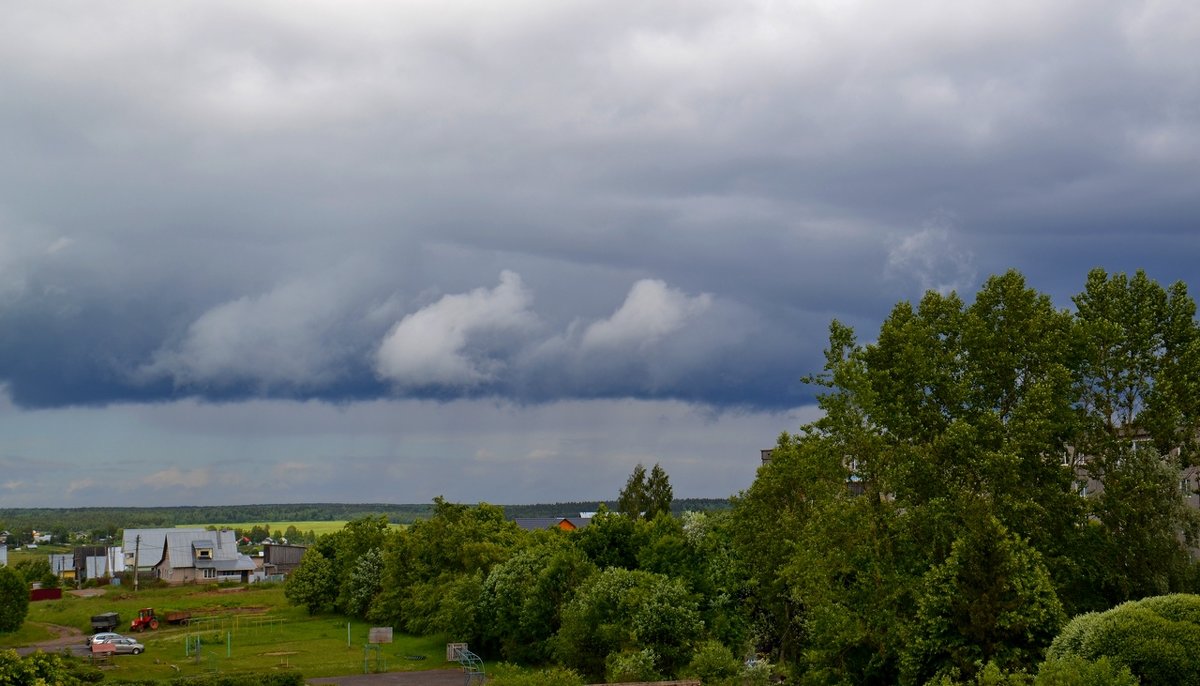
point(180, 556)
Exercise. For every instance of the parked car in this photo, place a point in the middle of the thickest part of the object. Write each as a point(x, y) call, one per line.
point(127, 645)
point(103, 637)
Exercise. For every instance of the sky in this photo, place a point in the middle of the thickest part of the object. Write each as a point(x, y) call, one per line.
point(356, 251)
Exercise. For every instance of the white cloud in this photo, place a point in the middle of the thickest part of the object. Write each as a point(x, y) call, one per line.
point(650, 312)
point(933, 258)
point(447, 343)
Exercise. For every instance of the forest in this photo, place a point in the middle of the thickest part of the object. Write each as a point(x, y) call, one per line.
point(997, 492)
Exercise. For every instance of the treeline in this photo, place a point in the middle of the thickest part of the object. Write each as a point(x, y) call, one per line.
point(107, 522)
point(573, 509)
point(981, 473)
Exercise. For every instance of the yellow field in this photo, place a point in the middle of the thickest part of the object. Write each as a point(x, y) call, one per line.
point(320, 528)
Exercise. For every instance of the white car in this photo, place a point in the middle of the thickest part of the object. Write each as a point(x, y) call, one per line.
point(103, 637)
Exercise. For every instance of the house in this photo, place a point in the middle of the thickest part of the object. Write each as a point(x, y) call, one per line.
point(146, 545)
point(564, 523)
point(199, 555)
point(63, 566)
point(281, 559)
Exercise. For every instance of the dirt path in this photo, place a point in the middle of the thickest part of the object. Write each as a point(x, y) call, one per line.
point(67, 637)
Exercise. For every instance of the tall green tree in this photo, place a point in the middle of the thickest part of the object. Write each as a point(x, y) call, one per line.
point(634, 498)
point(659, 494)
point(14, 599)
point(964, 412)
point(1138, 387)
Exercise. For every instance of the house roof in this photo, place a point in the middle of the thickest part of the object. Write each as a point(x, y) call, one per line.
point(181, 542)
point(150, 547)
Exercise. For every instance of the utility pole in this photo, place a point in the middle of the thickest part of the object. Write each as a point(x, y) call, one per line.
point(137, 545)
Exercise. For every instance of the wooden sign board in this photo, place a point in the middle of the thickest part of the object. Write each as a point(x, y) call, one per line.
point(379, 634)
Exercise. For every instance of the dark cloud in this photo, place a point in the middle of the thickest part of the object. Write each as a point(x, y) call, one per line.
point(548, 202)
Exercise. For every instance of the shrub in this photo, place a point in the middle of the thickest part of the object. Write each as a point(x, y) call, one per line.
point(1157, 639)
point(1076, 671)
point(505, 674)
point(631, 666)
point(712, 663)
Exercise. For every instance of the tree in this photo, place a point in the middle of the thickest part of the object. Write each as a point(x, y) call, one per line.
point(312, 584)
point(37, 570)
point(633, 500)
point(1138, 385)
point(991, 601)
point(658, 493)
point(434, 570)
point(14, 599)
point(618, 611)
point(959, 413)
point(363, 583)
point(523, 598)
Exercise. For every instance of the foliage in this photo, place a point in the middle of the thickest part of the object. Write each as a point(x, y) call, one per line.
point(965, 413)
point(504, 674)
point(434, 570)
point(712, 663)
point(312, 584)
point(1138, 386)
point(37, 570)
point(634, 500)
point(1156, 638)
point(523, 596)
point(363, 583)
point(1076, 671)
point(621, 610)
point(611, 540)
point(14, 599)
point(646, 498)
point(991, 602)
point(631, 666)
point(36, 669)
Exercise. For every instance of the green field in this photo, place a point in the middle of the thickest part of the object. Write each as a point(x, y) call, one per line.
point(240, 629)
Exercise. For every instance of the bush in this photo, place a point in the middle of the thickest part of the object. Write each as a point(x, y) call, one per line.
point(1076, 671)
point(1157, 639)
point(631, 666)
point(505, 674)
point(712, 663)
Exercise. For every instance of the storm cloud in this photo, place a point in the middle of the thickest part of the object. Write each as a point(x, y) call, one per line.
point(269, 205)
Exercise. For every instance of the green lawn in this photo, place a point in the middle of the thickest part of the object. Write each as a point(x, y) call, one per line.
point(250, 628)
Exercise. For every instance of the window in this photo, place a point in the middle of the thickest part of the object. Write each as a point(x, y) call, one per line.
point(210, 574)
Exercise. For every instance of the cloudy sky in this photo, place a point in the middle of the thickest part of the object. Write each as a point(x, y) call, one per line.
point(380, 251)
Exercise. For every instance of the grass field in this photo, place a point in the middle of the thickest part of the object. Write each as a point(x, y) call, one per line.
point(239, 629)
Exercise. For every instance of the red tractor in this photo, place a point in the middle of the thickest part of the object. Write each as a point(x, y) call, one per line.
point(145, 619)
